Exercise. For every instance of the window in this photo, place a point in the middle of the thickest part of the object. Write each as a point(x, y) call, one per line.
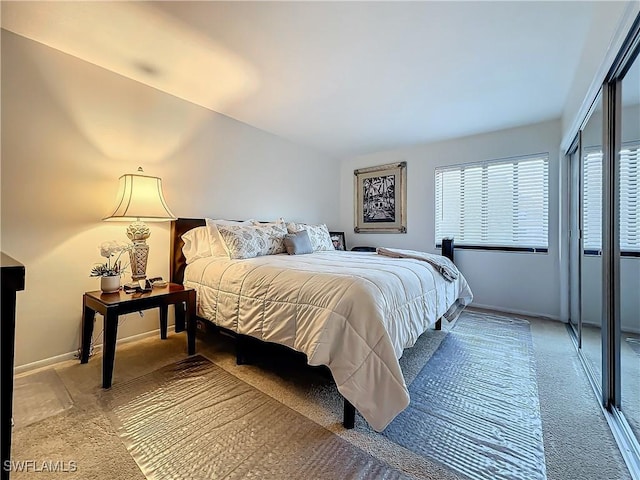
point(629, 200)
point(592, 200)
point(500, 204)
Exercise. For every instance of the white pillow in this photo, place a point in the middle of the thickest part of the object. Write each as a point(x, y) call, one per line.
point(196, 244)
point(216, 242)
point(318, 234)
point(248, 241)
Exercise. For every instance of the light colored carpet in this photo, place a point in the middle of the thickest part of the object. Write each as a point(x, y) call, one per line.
point(577, 441)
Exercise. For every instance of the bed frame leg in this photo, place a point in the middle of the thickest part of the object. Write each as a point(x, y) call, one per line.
point(349, 420)
point(439, 324)
point(241, 350)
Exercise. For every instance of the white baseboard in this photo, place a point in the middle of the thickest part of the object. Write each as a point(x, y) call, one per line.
point(28, 367)
point(47, 362)
point(515, 312)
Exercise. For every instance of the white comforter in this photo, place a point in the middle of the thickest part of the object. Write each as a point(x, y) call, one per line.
point(352, 311)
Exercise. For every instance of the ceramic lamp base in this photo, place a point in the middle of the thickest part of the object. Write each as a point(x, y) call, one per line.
point(138, 232)
point(138, 256)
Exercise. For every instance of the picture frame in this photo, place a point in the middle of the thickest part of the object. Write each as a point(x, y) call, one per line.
point(380, 197)
point(337, 238)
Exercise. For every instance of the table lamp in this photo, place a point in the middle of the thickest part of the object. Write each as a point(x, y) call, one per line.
point(140, 200)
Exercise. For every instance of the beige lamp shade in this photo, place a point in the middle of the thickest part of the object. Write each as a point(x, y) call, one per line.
point(140, 198)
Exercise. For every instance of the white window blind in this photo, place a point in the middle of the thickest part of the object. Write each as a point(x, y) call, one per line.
point(498, 203)
point(592, 200)
point(629, 199)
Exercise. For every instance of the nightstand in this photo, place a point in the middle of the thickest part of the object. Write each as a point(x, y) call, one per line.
point(112, 305)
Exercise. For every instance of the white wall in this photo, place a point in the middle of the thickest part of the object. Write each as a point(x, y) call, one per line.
point(70, 129)
point(518, 282)
point(611, 23)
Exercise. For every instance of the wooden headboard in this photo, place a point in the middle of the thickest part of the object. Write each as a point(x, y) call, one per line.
point(177, 262)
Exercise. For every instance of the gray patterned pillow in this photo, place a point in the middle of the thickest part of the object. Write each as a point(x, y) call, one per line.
point(318, 234)
point(298, 243)
point(248, 241)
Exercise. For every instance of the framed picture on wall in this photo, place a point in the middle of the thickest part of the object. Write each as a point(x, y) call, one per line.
point(381, 199)
point(337, 238)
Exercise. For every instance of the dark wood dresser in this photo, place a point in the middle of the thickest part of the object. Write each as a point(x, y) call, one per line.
point(12, 280)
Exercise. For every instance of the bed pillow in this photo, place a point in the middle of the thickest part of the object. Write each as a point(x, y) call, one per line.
point(196, 244)
point(298, 243)
point(318, 234)
point(215, 241)
point(248, 241)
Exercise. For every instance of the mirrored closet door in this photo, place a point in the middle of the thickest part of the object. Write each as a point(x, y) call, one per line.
point(629, 246)
point(575, 246)
point(604, 241)
point(589, 206)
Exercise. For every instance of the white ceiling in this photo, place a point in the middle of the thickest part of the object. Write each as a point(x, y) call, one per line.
point(345, 78)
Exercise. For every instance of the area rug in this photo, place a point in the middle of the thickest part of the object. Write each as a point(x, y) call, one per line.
point(474, 406)
point(194, 420)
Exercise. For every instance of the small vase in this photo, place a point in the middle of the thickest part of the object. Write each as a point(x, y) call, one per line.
point(110, 284)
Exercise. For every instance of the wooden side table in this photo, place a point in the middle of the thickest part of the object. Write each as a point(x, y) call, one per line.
point(112, 305)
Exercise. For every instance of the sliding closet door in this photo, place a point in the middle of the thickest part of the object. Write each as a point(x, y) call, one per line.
point(629, 199)
point(591, 284)
point(575, 245)
point(604, 213)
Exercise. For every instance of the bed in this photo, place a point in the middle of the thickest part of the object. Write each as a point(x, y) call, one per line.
point(354, 312)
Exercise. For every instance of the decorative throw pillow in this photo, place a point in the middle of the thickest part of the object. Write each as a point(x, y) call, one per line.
point(298, 243)
point(196, 244)
point(248, 241)
point(318, 234)
point(216, 242)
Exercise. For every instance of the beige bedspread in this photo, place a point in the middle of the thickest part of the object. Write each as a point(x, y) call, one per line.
point(354, 312)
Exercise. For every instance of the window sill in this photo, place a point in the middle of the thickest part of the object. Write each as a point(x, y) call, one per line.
point(497, 249)
point(598, 253)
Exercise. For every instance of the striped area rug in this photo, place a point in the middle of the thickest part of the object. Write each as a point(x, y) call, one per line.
point(193, 420)
point(474, 406)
